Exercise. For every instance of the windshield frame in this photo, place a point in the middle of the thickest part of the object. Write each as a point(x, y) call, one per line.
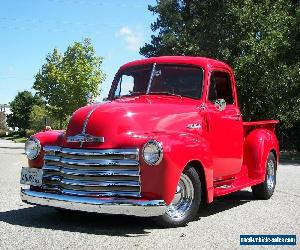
point(117, 77)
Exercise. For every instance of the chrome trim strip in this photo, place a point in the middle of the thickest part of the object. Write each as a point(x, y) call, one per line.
point(100, 152)
point(92, 193)
point(91, 162)
point(100, 162)
point(145, 208)
point(85, 183)
point(87, 118)
point(77, 172)
point(52, 168)
point(52, 158)
point(102, 193)
point(52, 148)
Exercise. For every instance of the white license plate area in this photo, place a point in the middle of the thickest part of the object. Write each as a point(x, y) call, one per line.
point(31, 176)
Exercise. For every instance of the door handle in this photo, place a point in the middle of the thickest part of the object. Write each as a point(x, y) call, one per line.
point(238, 116)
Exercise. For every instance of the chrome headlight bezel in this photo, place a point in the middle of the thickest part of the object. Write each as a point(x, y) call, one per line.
point(150, 145)
point(33, 152)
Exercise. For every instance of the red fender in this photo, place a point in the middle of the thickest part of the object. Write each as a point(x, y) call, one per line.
point(258, 144)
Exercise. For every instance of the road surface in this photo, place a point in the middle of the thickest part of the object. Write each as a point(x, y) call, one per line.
point(219, 226)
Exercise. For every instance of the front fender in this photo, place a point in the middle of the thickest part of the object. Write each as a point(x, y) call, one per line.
point(52, 137)
point(160, 181)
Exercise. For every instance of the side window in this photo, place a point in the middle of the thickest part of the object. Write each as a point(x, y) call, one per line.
point(220, 87)
point(125, 85)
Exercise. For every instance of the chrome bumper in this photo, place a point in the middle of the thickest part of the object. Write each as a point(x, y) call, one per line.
point(145, 208)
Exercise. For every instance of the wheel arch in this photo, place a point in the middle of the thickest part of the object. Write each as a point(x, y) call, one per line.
point(203, 173)
point(257, 146)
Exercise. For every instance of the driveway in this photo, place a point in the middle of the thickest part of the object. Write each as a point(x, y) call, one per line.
point(218, 227)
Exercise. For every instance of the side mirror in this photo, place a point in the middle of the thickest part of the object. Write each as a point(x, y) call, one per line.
point(89, 98)
point(220, 104)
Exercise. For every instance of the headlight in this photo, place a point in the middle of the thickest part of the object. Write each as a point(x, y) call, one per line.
point(152, 152)
point(32, 148)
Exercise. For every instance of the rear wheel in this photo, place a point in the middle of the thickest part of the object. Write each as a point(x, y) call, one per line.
point(266, 189)
point(186, 202)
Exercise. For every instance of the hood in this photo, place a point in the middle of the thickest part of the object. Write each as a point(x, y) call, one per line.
point(135, 117)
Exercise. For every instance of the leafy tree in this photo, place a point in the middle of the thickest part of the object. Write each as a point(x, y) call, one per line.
point(259, 39)
point(37, 117)
point(3, 125)
point(41, 116)
point(21, 108)
point(65, 80)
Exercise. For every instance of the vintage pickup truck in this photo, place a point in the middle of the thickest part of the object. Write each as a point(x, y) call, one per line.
point(169, 138)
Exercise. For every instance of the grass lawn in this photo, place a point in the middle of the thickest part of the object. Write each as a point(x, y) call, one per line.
point(21, 139)
point(15, 138)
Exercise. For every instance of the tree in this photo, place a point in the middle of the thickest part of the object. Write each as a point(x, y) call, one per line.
point(259, 39)
point(37, 117)
point(21, 108)
point(65, 80)
point(3, 125)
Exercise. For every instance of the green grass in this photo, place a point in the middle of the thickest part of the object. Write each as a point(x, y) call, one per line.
point(20, 139)
point(15, 137)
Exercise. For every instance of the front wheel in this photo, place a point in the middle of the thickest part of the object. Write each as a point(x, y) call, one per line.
point(266, 189)
point(186, 201)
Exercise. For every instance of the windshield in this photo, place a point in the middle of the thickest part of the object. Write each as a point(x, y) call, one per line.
point(165, 79)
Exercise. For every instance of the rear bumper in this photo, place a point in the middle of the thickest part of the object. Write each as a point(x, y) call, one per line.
point(144, 208)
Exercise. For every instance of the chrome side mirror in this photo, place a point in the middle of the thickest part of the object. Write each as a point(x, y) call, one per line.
point(89, 98)
point(220, 104)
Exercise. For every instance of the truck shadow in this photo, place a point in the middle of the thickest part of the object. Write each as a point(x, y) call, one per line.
point(226, 202)
point(102, 224)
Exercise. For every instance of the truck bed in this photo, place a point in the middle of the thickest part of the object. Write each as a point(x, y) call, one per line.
point(266, 124)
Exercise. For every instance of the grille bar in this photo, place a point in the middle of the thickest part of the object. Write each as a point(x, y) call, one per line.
point(79, 172)
point(84, 172)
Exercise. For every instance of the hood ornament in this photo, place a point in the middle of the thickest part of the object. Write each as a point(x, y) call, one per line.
point(83, 136)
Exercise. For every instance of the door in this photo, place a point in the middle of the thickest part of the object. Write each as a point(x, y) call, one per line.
point(225, 126)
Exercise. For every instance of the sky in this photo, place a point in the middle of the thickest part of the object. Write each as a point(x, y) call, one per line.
point(30, 29)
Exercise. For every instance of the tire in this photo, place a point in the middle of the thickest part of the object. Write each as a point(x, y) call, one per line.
point(265, 190)
point(62, 210)
point(186, 202)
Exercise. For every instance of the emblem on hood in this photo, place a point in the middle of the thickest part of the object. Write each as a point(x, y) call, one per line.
point(81, 138)
point(194, 126)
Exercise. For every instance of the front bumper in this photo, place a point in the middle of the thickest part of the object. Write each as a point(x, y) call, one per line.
point(144, 208)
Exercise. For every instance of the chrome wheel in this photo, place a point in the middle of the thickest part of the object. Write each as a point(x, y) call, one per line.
point(266, 189)
point(183, 198)
point(270, 174)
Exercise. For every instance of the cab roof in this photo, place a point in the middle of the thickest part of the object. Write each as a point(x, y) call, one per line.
point(203, 62)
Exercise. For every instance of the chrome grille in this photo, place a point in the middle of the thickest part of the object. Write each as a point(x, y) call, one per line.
point(93, 173)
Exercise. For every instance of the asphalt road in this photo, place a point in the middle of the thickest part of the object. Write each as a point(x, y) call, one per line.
point(218, 227)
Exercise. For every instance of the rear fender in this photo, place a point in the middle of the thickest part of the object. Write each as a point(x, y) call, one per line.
point(257, 146)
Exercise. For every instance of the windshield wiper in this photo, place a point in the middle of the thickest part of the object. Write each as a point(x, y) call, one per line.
point(164, 93)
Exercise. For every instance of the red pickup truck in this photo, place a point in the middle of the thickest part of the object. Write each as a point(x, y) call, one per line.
point(169, 138)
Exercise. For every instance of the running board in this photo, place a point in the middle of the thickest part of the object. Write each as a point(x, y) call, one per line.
point(235, 185)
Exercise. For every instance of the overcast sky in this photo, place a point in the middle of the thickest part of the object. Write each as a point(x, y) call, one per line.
point(30, 29)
